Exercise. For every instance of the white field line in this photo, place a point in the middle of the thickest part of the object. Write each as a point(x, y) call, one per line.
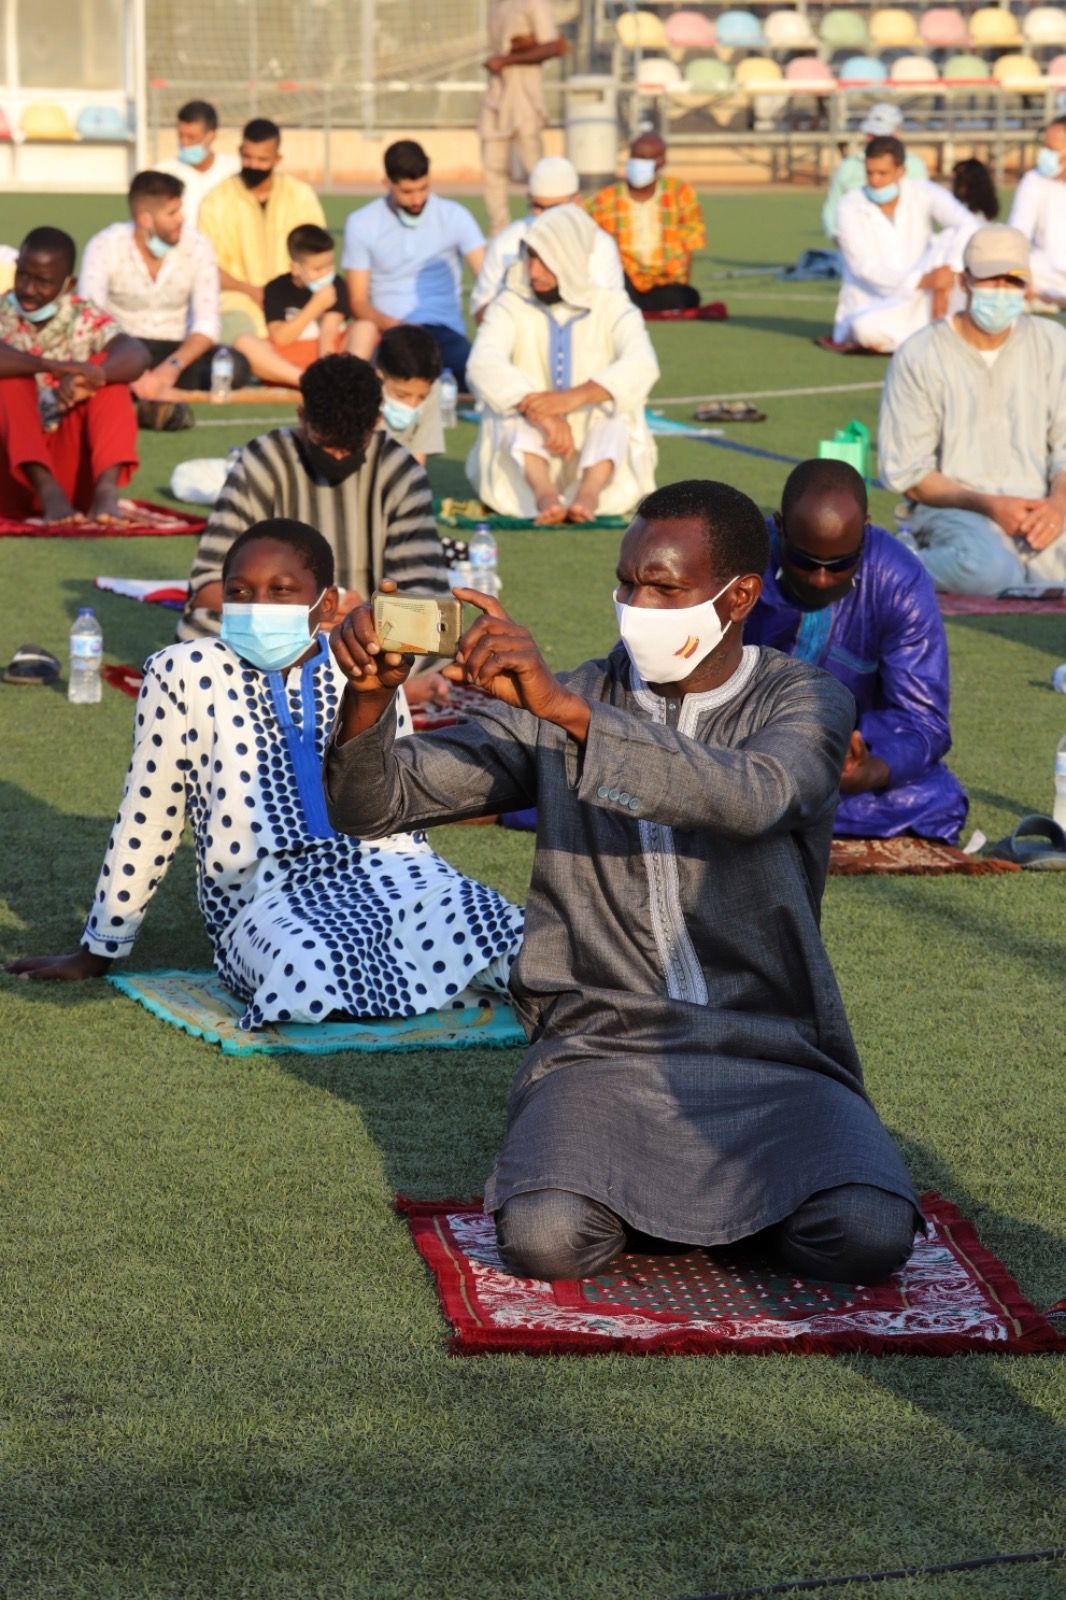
point(762, 394)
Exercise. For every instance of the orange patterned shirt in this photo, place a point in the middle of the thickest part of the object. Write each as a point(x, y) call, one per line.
point(682, 231)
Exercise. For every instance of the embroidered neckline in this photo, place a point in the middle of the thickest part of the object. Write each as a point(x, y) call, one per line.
point(693, 704)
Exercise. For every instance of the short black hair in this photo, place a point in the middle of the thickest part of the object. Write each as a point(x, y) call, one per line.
point(1056, 122)
point(201, 111)
point(886, 144)
point(409, 351)
point(823, 477)
point(405, 159)
point(314, 550)
point(260, 130)
point(735, 528)
point(155, 186)
point(341, 400)
point(51, 242)
point(308, 240)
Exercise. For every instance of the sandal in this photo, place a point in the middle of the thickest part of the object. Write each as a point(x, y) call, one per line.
point(730, 411)
point(164, 416)
point(32, 664)
point(1037, 843)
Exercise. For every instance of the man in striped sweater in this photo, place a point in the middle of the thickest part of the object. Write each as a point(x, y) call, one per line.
point(341, 474)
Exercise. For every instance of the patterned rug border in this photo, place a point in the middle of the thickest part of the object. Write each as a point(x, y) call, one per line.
point(1033, 1333)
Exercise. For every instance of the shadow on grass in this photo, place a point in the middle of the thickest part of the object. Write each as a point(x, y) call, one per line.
point(1043, 631)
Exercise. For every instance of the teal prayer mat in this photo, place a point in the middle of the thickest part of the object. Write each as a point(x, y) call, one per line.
point(200, 1004)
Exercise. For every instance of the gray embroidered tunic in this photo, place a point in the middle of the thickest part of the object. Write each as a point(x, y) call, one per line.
point(690, 1064)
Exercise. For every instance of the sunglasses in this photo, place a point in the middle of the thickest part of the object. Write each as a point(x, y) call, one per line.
point(808, 563)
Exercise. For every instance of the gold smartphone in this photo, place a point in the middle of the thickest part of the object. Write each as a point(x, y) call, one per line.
point(421, 625)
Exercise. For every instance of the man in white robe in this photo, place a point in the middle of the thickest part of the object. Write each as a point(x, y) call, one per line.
point(898, 274)
point(1039, 211)
point(562, 370)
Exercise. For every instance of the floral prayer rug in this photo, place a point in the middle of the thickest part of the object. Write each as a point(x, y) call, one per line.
point(952, 1296)
point(908, 857)
point(146, 521)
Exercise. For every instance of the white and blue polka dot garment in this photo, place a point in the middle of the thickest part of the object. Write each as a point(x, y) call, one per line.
point(301, 926)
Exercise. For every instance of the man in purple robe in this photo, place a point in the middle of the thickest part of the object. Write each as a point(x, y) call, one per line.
point(849, 597)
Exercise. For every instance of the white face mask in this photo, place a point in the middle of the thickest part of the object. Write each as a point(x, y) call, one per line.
point(666, 645)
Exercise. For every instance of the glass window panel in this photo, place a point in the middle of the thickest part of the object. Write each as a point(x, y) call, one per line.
point(70, 44)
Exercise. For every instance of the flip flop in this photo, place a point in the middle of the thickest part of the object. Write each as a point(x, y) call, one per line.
point(730, 411)
point(845, 347)
point(32, 664)
point(1037, 843)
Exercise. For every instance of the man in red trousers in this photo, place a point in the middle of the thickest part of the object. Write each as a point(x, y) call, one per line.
point(68, 429)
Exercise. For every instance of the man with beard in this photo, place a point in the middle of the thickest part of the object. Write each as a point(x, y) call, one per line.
point(563, 369)
point(849, 597)
point(248, 219)
point(338, 472)
point(404, 258)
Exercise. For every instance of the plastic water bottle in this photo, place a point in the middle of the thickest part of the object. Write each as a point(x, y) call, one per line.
point(1059, 811)
point(86, 649)
point(481, 553)
point(449, 398)
point(221, 374)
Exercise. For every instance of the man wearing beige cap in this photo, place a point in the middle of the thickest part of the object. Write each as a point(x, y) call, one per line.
point(973, 430)
point(552, 182)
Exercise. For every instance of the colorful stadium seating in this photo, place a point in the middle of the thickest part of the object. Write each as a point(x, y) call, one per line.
point(1016, 71)
point(943, 28)
point(913, 69)
point(862, 69)
point(993, 29)
point(641, 30)
point(1056, 70)
point(892, 28)
point(690, 30)
point(739, 30)
point(658, 72)
point(810, 70)
point(844, 30)
point(789, 30)
point(44, 121)
point(707, 72)
point(102, 122)
point(966, 68)
point(1044, 27)
point(758, 72)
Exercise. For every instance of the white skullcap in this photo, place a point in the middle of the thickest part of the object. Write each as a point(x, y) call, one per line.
point(553, 178)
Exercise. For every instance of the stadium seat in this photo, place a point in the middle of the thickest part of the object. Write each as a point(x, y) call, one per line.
point(757, 72)
point(913, 69)
point(690, 30)
point(789, 30)
point(738, 30)
point(641, 30)
point(844, 30)
point(46, 121)
point(993, 29)
point(862, 69)
point(658, 72)
point(1056, 70)
point(966, 68)
point(893, 29)
point(943, 28)
point(5, 129)
point(1044, 26)
point(102, 122)
point(707, 72)
point(1016, 71)
point(810, 70)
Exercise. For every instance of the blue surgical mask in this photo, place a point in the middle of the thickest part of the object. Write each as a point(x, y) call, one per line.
point(42, 313)
point(1048, 162)
point(158, 247)
point(315, 284)
point(883, 196)
point(268, 636)
point(192, 154)
point(407, 219)
point(397, 415)
point(995, 310)
point(640, 171)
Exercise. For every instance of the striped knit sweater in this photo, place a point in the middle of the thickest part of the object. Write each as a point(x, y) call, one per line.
point(379, 521)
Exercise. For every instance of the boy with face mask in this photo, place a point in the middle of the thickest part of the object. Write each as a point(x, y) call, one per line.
point(408, 362)
point(306, 308)
point(68, 433)
point(973, 430)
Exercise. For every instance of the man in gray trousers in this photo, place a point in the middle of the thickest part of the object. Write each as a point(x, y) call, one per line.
point(690, 1073)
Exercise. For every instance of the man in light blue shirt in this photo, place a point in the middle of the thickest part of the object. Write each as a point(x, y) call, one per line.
point(883, 120)
point(403, 256)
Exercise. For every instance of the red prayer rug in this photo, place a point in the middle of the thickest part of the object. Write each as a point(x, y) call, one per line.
point(712, 311)
point(909, 858)
point(1042, 602)
point(952, 1296)
point(147, 521)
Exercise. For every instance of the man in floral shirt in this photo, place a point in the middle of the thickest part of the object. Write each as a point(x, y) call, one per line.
point(68, 430)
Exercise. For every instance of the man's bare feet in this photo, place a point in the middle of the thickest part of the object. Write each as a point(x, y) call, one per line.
point(550, 511)
point(55, 507)
point(105, 508)
point(581, 510)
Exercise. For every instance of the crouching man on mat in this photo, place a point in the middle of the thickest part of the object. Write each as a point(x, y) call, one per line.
point(690, 1072)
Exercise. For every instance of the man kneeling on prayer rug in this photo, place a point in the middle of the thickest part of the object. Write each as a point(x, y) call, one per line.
point(849, 597)
point(68, 429)
point(690, 1073)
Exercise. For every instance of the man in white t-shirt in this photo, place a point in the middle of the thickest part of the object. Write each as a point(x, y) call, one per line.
point(198, 164)
point(553, 182)
point(404, 255)
point(1039, 211)
point(158, 278)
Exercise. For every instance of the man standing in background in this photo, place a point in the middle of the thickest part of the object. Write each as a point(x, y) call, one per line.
point(522, 36)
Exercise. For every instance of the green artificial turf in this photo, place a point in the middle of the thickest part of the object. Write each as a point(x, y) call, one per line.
point(222, 1368)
